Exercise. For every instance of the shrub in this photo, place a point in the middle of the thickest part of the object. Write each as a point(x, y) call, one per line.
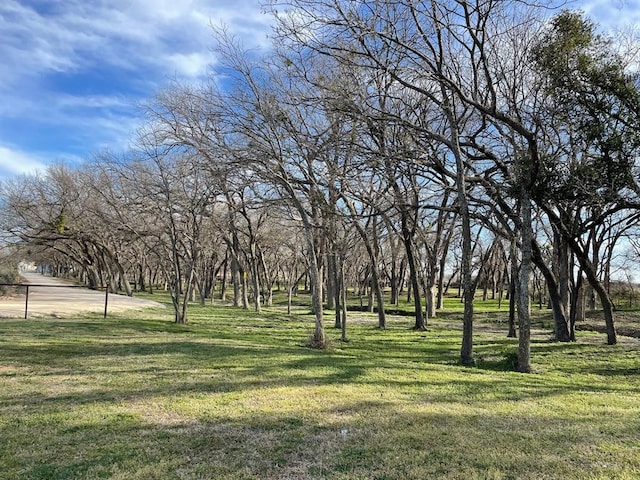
point(8, 275)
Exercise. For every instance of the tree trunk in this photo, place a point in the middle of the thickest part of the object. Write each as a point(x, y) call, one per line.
point(430, 298)
point(589, 270)
point(334, 295)
point(142, 286)
point(244, 290)
point(561, 329)
point(413, 275)
point(318, 340)
point(343, 300)
point(608, 309)
point(577, 306)
point(255, 278)
point(236, 279)
point(466, 349)
point(223, 283)
point(382, 318)
point(332, 290)
point(524, 321)
point(440, 298)
point(563, 270)
point(370, 294)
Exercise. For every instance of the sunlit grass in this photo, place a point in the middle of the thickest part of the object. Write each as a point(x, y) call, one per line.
point(236, 395)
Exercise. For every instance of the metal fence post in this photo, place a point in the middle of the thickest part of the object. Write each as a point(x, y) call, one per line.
point(106, 300)
point(26, 303)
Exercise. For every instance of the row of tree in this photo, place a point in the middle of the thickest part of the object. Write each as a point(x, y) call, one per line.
point(377, 142)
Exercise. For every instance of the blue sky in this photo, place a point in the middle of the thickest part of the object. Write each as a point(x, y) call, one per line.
point(72, 72)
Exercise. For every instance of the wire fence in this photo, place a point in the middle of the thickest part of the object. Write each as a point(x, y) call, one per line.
point(27, 286)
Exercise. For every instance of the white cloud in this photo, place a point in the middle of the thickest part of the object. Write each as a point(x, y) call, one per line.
point(16, 162)
point(78, 34)
point(65, 110)
point(611, 14)
point(191, 65)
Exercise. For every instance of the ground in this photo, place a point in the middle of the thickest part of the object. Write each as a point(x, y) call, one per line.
point(57, 297)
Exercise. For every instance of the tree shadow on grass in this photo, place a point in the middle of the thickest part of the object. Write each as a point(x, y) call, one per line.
point(144, 359)
point(342, 439)
point(191, 369)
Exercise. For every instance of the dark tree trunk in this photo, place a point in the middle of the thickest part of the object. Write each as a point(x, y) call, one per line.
point(420, 323)
point(577, 306)
point(513, 289)
point(142, 286)
point(244, 290)
point(559, 313)
point(441, 285)
point(223, 283)
point(340, 284)
point(524, 321)
point(236, 281)
point(589, 270)
point(332, 291)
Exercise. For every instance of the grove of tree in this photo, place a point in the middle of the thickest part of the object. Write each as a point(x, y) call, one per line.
point(380, 147)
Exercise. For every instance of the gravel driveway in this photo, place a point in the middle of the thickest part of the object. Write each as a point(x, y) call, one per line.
point(64, 300)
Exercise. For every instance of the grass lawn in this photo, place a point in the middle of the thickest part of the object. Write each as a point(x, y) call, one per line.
point(234, 395)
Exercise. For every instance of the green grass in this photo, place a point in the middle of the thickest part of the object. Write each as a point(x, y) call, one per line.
point(234, 395)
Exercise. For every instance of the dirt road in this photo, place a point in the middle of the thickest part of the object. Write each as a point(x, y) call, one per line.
point(60, 299)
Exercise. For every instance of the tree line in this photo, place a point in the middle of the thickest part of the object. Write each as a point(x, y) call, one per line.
point(377, 144)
